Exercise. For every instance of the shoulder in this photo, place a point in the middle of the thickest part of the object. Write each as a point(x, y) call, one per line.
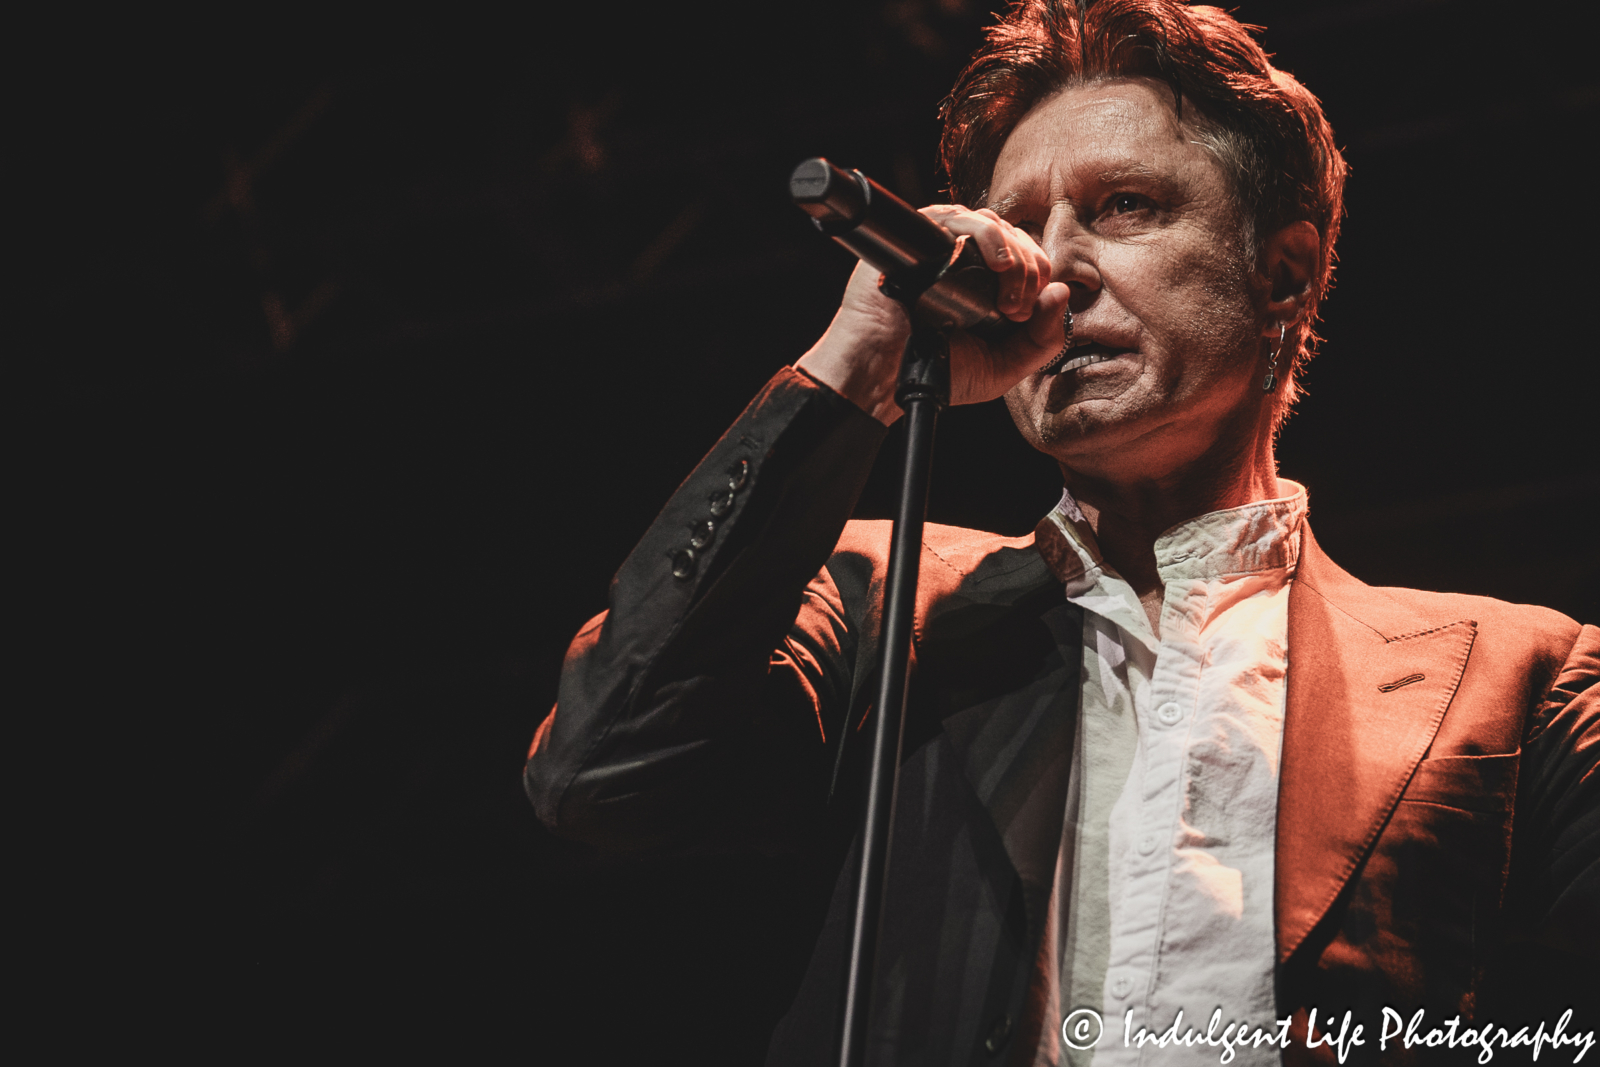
point(957, 565)
point(956, 548)
point(1527, 622)
point(1515, 647)
point(1396, 612)
point(1550, 653)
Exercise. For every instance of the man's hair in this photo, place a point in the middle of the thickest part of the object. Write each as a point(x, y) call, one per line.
point(1267, 131)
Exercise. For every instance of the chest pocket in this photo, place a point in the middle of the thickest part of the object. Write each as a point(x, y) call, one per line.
point(1481, 784)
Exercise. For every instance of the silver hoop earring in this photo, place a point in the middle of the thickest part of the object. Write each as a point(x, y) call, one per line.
point(1272, 364)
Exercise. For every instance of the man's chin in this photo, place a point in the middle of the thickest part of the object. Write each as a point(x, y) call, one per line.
point(1097, 385)
point(1079, 433)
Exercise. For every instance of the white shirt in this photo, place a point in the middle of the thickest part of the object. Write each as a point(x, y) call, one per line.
point(1164, 887)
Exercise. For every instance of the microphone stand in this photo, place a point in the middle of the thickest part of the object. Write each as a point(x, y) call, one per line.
point(923, 390)
point(943, 284)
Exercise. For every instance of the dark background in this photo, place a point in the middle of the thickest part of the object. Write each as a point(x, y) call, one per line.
point(372, 348)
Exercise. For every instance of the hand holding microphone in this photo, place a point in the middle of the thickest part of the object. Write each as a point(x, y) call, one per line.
point(977, 275)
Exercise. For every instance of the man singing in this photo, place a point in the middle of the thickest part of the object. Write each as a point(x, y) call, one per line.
point(1163, 755)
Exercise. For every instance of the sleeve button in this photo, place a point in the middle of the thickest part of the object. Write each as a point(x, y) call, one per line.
point(683, 564)
point(737, 475)
point(701, 533)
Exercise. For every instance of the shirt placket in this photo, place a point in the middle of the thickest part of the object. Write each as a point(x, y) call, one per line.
point(1164, 713)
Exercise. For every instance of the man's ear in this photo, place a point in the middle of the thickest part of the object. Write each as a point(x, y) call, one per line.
point(1290, 260)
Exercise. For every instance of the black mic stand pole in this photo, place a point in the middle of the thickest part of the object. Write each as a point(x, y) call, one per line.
point(923, 389)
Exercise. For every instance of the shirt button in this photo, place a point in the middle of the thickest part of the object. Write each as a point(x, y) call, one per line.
point(1147, 844)
point(1121, 987)
point(1169, 714)
point(997, 1035)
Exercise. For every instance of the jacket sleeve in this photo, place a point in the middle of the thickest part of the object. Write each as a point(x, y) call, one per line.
point(696, 711)
point(1560, 798)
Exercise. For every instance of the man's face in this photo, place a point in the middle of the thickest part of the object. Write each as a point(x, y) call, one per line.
point(1141, 221)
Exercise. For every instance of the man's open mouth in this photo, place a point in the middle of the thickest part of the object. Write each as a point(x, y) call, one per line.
point(1089, 353)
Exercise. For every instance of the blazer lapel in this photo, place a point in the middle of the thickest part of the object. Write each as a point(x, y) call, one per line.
point(1369, 682)
point(1014, 723)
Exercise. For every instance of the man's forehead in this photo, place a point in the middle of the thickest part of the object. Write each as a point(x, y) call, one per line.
point(1093, 135)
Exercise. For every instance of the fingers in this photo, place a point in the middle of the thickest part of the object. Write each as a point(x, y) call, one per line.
point(1023, 267)
point(981, 370)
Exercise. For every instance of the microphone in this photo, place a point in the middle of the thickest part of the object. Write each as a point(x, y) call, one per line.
point(946, 275)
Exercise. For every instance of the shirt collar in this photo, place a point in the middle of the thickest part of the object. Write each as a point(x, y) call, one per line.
point(1259, 536)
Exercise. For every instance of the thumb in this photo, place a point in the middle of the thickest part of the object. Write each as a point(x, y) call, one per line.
point(1047, 327)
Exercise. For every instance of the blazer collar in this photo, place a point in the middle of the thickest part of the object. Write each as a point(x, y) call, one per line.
point(1369, 682)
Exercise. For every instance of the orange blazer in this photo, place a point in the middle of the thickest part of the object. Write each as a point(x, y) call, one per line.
point(1438, 824)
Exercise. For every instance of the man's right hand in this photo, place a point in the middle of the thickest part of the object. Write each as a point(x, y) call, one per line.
point(859, 355)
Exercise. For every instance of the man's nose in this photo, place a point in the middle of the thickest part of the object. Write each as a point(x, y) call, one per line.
point(1071, 249)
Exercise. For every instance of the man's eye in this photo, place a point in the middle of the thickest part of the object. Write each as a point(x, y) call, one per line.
point(1123, 203)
